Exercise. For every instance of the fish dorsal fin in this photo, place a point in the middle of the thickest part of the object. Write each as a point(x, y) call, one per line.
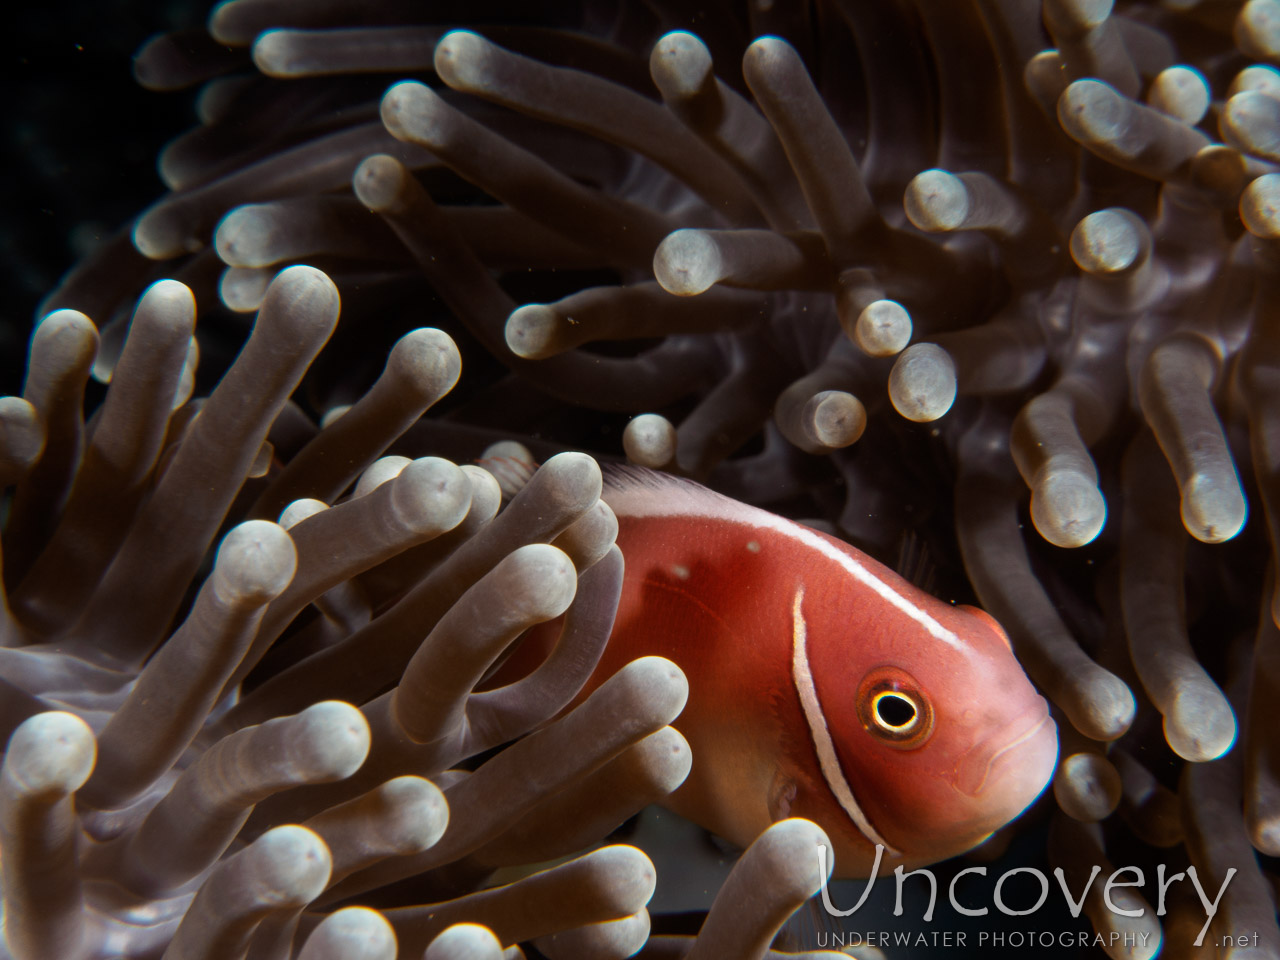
point(915, 562)
point(641, 492)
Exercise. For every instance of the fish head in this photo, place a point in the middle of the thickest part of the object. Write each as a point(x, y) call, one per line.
point(937, 737)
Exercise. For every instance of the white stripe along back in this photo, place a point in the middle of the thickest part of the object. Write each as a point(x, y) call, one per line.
point(662, 496)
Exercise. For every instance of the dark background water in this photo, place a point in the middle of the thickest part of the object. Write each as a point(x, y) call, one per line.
point(80, 143)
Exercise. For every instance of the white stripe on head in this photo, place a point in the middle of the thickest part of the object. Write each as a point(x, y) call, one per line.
point(659, 495)
point(822, 742)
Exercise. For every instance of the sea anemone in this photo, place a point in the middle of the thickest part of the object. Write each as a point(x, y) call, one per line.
point(989, 278)
point(150, 804)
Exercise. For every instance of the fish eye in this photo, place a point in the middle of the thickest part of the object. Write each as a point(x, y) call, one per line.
point(893, 709)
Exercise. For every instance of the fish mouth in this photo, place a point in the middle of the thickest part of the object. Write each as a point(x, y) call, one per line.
point(1020, 766)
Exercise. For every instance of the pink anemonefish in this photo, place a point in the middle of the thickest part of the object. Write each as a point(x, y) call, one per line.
point(821, 683)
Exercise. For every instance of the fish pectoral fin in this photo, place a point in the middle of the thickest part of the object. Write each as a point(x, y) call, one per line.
point(782, 794)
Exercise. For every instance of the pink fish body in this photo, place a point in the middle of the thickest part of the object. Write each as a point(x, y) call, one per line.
point(822, 684)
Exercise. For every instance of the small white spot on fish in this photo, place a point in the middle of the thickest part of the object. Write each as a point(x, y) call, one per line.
point(753, 546)
point(680, 572)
